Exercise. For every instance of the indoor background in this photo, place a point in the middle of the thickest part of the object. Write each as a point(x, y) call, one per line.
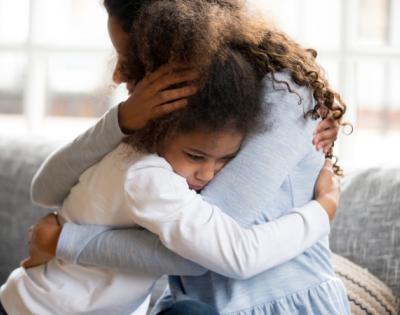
point(56, 62)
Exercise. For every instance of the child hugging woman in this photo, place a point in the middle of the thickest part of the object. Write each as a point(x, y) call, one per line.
point(156, 170)
point(177, 146)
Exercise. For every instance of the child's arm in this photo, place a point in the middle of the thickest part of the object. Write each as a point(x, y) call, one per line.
point(201, 232)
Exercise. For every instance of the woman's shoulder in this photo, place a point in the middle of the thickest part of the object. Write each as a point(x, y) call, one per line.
point(281, 90)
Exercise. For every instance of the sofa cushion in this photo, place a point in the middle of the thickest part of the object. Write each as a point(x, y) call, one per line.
point(367, 294)
point(19, 160)
point(367, 227)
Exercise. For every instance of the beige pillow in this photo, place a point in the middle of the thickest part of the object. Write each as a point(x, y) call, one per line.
point(367, 294)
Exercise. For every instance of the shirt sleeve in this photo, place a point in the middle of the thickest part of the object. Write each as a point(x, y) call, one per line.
point(201, 232)
point(61, 170)
point(122, 249)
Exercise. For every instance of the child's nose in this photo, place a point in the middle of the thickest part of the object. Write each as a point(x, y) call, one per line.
point(206, 173)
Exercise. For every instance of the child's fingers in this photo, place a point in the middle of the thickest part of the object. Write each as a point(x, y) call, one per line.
point(328, 165)
point(164, 109)
point(326, 135)
point(324, 145)
point(327, 123)
point(28, 263)
point(23, 263)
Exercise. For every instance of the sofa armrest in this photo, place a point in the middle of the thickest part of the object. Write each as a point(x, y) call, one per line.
point(367, 227)
point(19, 160)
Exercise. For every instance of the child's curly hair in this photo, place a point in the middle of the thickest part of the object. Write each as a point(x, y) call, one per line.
point(230, 99)
point(194, 31)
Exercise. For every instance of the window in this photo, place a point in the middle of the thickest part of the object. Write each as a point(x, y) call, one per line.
point(56, 62)
point(359, 46)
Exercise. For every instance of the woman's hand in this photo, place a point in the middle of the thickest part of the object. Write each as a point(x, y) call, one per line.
point(151, 97)
point(327, 189)
point(326, 134)
point(43, 239)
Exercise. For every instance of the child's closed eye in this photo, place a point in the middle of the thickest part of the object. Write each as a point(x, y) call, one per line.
point(194, 157)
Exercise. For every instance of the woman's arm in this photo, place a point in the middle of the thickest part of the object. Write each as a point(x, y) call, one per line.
point(112, 248)
point(150, 99)
point(61, 170)
point(133, 245)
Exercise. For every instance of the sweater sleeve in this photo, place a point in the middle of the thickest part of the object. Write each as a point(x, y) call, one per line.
point(68, 162)
point(122, 249)
point(251, 181)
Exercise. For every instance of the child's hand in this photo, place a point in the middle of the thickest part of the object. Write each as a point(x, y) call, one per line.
point(326, 134)
point(151, 97)
point(43, 239)
point(327, 189)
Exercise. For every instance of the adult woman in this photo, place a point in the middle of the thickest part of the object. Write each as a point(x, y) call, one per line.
point(289, 154)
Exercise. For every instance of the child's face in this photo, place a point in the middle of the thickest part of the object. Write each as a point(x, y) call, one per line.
point(199, 156)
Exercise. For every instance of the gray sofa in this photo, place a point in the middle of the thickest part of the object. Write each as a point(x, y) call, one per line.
point(366, 230)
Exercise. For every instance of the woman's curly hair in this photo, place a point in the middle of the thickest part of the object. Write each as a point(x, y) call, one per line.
point(195, 31)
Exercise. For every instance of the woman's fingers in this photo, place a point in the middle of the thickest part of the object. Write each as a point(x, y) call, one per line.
point(168, 96)
point(162, 71)
point(174, 78)
point(155, 75)
point(154, 97)
point(164, 109)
